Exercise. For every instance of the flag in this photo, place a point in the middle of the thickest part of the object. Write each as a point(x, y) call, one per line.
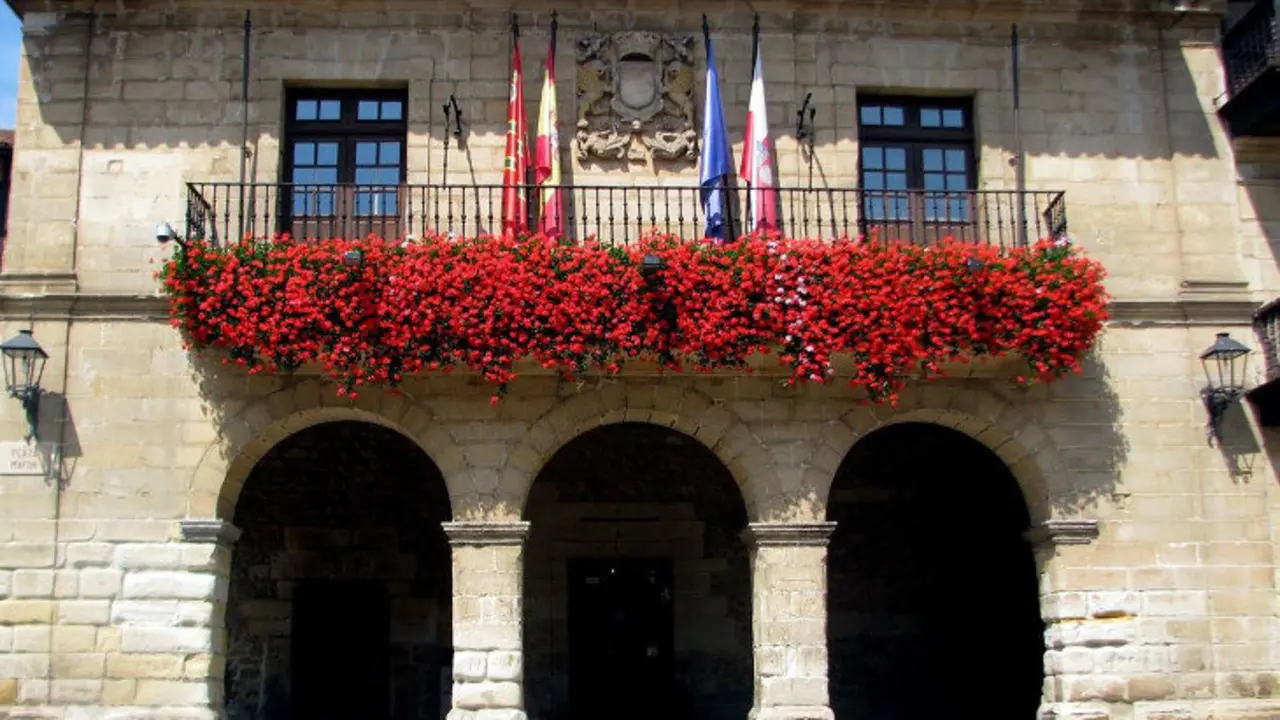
point(714, 164)
point(546, 166)
point(515, 162)
point(757, 157)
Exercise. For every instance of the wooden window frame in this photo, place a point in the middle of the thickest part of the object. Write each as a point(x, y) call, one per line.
point(914, 136)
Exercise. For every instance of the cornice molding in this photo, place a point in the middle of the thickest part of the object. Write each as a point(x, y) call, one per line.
point(84, 306)
point(210, 530)
point(766, 534)
point(1183, 311)
point(141, 307)
point(1079, 531)
point(486, 533)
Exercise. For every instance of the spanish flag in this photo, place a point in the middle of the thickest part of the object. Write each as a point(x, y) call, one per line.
point(515, 163)
point(546, 165)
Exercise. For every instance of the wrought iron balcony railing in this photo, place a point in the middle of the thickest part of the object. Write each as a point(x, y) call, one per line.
point(1251, 46)
point(1266, 323)
point(218, 212)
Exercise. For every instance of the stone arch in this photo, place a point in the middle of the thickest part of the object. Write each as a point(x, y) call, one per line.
point(678, 407)
point(247, 436)
point(1007, 430)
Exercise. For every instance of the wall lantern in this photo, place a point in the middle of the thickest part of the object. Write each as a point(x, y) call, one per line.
point(650, 265)
point(24, 361)
point(1224, 369)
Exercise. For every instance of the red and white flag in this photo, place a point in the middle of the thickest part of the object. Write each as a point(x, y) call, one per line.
point(546, 163)
point(757, 157)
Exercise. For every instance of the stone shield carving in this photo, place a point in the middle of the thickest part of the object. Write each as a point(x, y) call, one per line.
point(635, 97)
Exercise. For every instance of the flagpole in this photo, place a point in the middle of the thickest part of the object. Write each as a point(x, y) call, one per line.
point(755, 56)
point(1020, 170)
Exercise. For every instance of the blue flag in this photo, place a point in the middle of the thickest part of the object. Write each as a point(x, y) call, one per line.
point(715, 164)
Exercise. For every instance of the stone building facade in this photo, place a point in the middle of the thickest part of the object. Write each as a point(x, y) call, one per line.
point(204, 543)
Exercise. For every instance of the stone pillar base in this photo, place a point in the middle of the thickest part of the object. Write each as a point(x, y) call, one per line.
point(789, 713)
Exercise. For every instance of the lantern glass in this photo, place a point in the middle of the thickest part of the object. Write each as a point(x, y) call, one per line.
point(24, 362)
point(1222, 367)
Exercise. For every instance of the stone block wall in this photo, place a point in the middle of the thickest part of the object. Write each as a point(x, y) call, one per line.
point(114, 581)
point(1117, 111)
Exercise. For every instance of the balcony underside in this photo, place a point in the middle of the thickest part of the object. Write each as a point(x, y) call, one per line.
point(1255, 110)
point(1006, 367)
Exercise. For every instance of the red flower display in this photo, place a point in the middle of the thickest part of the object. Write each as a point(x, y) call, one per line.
point(375, 312)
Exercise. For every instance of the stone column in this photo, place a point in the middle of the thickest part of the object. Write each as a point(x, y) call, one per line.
point(1080, 626)
point(488, 662)
point(789, 620)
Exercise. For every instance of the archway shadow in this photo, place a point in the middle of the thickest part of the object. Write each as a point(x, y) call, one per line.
point(619, 500)
point(340, 594)
point(922, 512)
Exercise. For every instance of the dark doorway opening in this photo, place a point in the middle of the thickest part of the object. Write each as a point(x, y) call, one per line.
point(341, 638)
point(637, 583)
point(621, 637)
point(933, 590)
point(340, 599)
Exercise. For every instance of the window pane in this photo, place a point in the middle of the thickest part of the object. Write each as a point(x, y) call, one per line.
point(873, 180)
point(327, 176)
point(389, 153)
point(392, 110)
point(933, 160)
point(930, 117)
point(309, 201)
point(388, 176)
point(957, 181)
point(901, 209)
point(896, 158)
point(366, 176)
point(330, 110)
point(873, 158)
point(376, 203)
point(953, 118)
point(304, 153)
point(934, 181)
point(327, 153)
point(304, 176)
point(896, 181)
point(306, 110)
point(871, 115)
point(934, 208)
point(368, 110)
point(893, 116)
point(955, 160)
point(959, 209)
point(366, 153)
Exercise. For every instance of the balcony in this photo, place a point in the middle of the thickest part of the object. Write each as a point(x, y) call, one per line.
point(222, 212)
point(1266, 397)
point(1251, 54)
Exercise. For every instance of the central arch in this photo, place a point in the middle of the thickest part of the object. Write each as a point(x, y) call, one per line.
point(637, 581)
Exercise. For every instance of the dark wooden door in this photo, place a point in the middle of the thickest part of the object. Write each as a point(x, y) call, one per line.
point(621, 638)
point(340, 650)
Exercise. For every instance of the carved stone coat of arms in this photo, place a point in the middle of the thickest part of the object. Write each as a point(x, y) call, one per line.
point(635, 97)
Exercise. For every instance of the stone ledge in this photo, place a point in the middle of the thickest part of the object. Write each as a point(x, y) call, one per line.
point(1081, 531)
point(814, 534)
point(52, 302)
point(209, 530)
point(486, 533)
point(792, 713)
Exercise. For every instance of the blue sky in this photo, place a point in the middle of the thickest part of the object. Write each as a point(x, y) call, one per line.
point(10, 51)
